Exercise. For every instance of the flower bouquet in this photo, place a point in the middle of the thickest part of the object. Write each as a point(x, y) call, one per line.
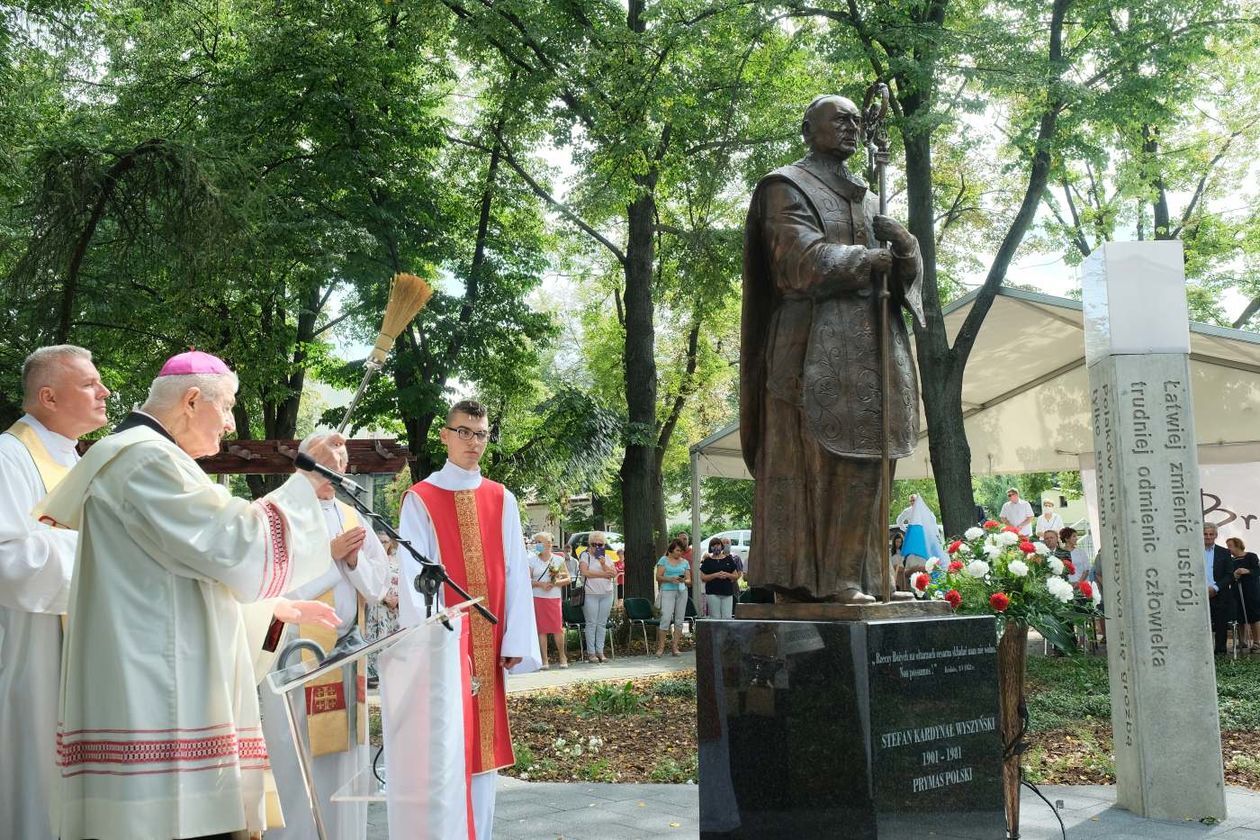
point(556, 568)
point(993, 570)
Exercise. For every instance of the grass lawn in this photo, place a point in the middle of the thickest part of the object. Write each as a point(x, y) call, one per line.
point(1069, 710)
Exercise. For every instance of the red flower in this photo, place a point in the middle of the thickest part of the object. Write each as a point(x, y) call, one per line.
point(953, 598)
point(921, 581)
point(1086, 589)
point(1069, 567)
point(954, 566)
point(1011, 528)
point(999, 601)
point(954, 546)
point(989, 523)
point(1027, 547)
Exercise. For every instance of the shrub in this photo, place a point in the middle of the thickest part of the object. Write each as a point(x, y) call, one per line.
point(609, 700)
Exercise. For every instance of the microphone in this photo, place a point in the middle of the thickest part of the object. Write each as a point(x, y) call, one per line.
point(306, 462)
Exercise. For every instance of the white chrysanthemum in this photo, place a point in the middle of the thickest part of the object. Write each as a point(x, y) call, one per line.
point(993, 551)
point(973, 533)
point(1096, 595)
point(933, 564)
point(977, 568)
point(1041, 548)
point(1055, 564)
point(1007, 538)
point(1018, 568)
point(1059, 588)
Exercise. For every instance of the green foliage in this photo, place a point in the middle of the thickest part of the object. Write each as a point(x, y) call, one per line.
point(675, 687)
point(611, 700)
point(598, 770)
point(671, 771)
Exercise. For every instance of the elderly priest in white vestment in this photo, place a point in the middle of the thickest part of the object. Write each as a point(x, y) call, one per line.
point(64, 399)
point(333, 717)
point(159, 735)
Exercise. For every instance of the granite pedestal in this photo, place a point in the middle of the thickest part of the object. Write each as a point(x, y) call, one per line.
point(880, 729)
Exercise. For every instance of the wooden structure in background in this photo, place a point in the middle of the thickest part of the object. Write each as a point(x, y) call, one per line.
point(368, 456)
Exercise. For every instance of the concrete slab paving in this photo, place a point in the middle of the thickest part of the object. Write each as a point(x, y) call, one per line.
point(556, 811)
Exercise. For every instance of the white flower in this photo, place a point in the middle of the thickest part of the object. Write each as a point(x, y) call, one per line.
point(1007, 538)
point(1059, 588)
point(1096, 595)
point(933, 564)
point(977, 568)
point(1041, 548)
point(1055, 564)
point(993, 551)
point(973, 533)
point(1018, 568)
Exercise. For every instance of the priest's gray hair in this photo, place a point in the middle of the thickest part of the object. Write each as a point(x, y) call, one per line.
point(40, 367)
point(167, 391)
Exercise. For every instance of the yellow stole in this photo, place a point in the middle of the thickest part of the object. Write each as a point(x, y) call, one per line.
point(327, 707)
point(50, 472)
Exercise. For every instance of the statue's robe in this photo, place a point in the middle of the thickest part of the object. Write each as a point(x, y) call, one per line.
point(811, 412)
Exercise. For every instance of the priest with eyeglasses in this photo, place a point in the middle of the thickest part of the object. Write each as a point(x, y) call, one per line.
point(473, 527)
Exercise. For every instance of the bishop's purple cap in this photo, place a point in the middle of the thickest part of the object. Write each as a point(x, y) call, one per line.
point(194, 362)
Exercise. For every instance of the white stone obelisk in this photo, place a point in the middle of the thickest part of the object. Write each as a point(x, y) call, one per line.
point(1159, 647)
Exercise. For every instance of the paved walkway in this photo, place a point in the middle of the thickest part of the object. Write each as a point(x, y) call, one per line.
point(553, 811)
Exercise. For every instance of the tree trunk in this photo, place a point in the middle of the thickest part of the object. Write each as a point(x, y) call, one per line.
point(640, 476)
point(1011, 661)
point(940, 385)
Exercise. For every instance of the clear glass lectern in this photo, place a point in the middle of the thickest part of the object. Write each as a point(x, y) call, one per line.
point(287, 682)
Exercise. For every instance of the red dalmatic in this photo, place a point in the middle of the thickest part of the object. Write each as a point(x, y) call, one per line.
point(469, 529)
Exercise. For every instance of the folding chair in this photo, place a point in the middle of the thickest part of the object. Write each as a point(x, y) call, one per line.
point(574, 618)
point(639, 611)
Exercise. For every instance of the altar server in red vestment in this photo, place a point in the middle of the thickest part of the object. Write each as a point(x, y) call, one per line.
point(473, 526)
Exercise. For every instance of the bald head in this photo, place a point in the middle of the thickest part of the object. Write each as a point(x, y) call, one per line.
point(62, 389)
point(831, 126)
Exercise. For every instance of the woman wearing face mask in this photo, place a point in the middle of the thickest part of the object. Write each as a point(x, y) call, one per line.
point(598, 566)
point(720, 574)
point(548, 575)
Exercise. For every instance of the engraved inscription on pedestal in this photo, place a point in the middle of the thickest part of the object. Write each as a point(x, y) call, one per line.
point(887, 728)
point(1163, 683)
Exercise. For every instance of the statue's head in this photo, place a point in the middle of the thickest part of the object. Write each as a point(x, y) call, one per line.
point(832, 125)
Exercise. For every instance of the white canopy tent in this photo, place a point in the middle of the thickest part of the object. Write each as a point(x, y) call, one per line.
point(1026, 396)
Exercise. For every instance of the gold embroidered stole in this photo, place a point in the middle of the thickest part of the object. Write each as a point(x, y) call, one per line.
point(327, 707)
point(485, 661)
point(50, 472)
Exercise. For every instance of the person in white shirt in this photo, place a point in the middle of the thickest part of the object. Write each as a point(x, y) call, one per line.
point(473, 527)
point(336, 730)
point(64, 399)
point(1048, 520)
point(1017, 513)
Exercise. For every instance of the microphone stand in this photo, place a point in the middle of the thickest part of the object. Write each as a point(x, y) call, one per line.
point(432, 574)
